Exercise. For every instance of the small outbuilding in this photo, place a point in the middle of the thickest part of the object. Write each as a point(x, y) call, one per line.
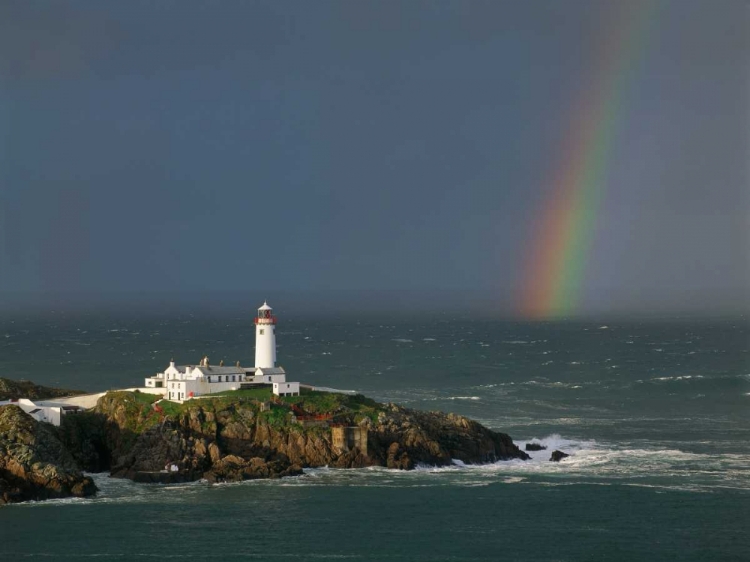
point(286, 388)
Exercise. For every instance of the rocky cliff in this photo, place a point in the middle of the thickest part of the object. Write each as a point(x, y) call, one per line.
point(34, 463)
point(245, 436)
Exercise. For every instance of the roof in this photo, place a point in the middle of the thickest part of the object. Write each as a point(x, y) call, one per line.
point(271, 370)
point(265, 306)
point(220, 370)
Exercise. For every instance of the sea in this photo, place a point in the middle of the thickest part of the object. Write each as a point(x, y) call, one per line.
point(654, 413)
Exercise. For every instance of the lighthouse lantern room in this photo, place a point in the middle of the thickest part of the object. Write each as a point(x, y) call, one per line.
point(265, 338)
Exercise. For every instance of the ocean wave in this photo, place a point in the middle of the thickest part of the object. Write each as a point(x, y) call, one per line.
point(556, 384)
point(677, 378)
point(590, 463)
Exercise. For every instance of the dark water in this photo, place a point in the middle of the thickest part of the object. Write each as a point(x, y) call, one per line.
point(655, 414)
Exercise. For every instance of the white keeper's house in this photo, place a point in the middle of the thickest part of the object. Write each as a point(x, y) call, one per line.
point(183, 382)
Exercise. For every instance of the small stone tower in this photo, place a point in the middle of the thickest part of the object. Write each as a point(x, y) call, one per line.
point(265, 338)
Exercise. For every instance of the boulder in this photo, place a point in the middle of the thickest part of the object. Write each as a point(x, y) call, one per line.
point(535, 447)
point(557, 456)
point(232, 469)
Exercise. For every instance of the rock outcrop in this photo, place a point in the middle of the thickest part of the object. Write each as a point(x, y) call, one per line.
point(404, 438)
point(231, 468)
point(535, 447)
point(34, 463)
point(13, 390)
point(557, 456)
point(226, 439)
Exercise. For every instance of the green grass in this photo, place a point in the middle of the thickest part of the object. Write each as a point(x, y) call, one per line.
point(145, 398)
point(172, 409)
point(216, 401)
point(277, 416)
point(343, 407)
point(316, 402)
point(263, 393)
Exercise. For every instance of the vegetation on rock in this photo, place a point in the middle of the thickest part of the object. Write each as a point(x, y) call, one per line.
point(34, 463)
point(235, 435)
point(13, 390)
point(251, 434)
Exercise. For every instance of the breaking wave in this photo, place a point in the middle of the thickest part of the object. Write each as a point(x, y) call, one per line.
point(589, 462)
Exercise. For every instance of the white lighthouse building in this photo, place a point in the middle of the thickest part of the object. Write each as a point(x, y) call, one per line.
point(265, 338)
point(184, 382)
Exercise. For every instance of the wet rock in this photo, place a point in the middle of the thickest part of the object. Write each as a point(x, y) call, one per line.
point(398, 458)
point(232, 469)
point(535, 447)
point(557, 456)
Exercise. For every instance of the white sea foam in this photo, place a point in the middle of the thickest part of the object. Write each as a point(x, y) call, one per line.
point(402, 340)
point(678, 378)
point(553, 384)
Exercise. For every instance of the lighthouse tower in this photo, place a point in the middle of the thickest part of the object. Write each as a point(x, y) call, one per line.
point(265, 338)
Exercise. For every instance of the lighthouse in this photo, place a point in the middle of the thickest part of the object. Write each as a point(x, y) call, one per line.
point(265, 338)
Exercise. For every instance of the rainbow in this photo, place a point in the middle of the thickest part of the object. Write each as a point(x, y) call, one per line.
point(564, 229)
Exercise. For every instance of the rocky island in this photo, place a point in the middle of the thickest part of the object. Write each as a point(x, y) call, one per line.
point(236, 435)
point(34, 463)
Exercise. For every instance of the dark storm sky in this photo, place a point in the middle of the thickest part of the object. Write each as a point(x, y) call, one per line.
point(361, 152)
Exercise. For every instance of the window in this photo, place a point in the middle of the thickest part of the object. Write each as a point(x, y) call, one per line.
point(261, 331)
